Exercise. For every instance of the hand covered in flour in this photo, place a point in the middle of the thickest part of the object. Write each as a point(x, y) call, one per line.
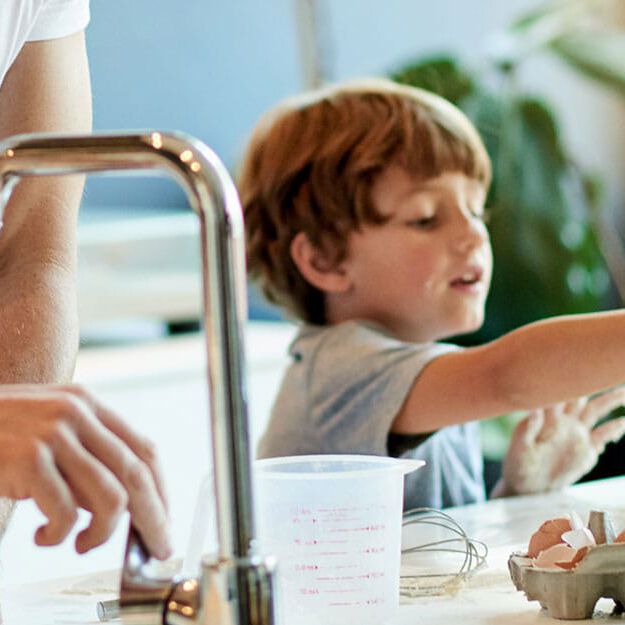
point(555, 446)
point(62, 448)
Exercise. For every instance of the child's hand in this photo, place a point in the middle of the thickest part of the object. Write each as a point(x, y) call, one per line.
point(553, 447)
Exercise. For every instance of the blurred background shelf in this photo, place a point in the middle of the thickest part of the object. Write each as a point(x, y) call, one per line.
point(138, 262)
point(139, 274)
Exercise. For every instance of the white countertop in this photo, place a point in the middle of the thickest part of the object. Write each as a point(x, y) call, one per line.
point(489, 598)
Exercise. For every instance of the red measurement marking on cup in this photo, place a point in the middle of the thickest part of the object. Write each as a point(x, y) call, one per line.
point(313, 542)
point(374, 550)
point(296, 511)
point(372, 575)
point(309, 591)
point(306, 567)
point(365, 528)
point(306, 542)
point(340, 578)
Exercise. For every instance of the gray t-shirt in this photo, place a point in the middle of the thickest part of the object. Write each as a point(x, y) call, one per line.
point(341, 394)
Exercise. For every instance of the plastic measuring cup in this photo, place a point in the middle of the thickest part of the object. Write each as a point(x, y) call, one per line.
point(334, 523)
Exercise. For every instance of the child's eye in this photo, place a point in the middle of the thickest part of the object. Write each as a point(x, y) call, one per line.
point(423, 222)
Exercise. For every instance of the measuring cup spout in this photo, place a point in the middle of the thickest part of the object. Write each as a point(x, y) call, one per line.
point(408, 465)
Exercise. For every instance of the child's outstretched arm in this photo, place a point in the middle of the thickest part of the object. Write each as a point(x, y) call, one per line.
point(540, 364)
point(554, 447)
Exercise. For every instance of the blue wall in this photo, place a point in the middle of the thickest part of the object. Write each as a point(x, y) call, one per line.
point(203, 67)
point(211, 68)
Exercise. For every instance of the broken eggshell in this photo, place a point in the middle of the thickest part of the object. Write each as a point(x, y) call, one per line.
point(579, 538)
point(559, 556)
point(560, 543)
point(548, 535)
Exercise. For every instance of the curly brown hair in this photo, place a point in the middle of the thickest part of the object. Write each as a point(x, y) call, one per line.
point(312, 160)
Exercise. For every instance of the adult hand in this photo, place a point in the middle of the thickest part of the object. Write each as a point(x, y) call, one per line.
point(555, 446)
point(65, 450)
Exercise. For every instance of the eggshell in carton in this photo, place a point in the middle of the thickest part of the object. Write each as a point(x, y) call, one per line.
point(576, 578)
point(547, 535)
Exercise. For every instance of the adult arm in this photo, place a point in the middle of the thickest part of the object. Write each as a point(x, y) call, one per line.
point(47, 89)
point(543, 363)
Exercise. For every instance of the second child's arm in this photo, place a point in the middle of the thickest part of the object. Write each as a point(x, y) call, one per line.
point(539, 364)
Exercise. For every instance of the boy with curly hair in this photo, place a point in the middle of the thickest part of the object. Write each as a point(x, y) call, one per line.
point(364, 215)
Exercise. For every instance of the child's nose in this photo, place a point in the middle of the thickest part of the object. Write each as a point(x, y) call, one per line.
point(471, 233)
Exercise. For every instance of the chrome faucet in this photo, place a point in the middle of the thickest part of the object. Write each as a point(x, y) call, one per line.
point(236, 588)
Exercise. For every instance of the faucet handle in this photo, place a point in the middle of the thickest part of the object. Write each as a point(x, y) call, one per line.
point(145, 585)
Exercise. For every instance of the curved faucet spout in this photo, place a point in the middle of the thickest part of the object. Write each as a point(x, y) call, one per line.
point(213, 197)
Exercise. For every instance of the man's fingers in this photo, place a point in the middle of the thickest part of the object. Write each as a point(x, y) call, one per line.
point(94, 486)
point(53, 498)
point(607, 433)
point(149, 515)
point(140, 446)
point(89, 458)
point(145, 504)
point(598, 407)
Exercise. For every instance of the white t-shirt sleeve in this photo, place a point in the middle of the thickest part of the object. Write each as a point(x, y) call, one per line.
point(59, 18)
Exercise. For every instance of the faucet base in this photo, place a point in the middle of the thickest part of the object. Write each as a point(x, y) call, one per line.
point(240, 591)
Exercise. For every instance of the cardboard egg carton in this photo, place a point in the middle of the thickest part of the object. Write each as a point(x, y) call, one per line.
point(573, 593)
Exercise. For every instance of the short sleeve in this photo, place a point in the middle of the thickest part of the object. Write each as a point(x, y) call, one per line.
point(361, 379)
point(59, 18)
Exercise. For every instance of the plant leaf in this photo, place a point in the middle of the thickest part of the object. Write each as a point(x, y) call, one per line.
point(548, 10)
point(440, 74)
point(600, 56)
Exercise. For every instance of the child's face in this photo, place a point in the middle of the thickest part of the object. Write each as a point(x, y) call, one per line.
point(425, 273)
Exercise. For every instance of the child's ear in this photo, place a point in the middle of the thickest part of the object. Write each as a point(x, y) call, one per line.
point(322, 272)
